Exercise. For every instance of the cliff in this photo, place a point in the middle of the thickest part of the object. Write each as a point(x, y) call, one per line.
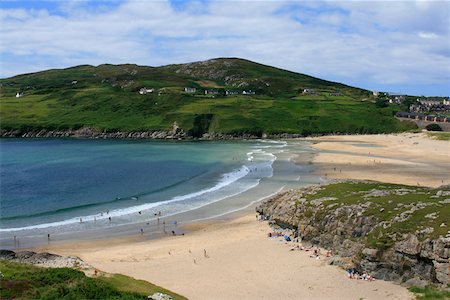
point(392, 232)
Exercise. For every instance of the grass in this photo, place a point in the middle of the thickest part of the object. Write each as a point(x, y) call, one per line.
point(429, 293)
point(388, 206)
point(106, 97)
point(443, 136)
point(21, 281)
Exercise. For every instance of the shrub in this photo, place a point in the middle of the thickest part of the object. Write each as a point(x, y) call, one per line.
point(433, 127)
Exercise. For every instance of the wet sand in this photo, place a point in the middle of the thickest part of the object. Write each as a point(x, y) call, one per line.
point(411, 159)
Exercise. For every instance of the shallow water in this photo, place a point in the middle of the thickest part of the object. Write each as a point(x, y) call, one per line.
point(65, 187)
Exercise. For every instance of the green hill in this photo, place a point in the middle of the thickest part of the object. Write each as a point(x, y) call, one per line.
point(107, 97)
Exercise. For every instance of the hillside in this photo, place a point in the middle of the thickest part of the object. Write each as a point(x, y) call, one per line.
point(244, 97)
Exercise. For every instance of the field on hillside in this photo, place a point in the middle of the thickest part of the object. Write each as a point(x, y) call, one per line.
point(107, 97)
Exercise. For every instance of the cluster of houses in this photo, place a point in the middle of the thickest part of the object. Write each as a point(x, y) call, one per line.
point(192, 90)
point(218, 92)
point(431, 105)
point(424, 117)
point(314, 92)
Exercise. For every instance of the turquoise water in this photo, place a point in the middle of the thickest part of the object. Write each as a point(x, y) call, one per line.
point(59, 184)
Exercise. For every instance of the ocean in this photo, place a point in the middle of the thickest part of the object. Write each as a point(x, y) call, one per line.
point(70, 185)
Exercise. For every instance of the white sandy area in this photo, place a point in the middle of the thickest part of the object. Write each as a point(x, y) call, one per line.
point(411, 159)
point(242, 263)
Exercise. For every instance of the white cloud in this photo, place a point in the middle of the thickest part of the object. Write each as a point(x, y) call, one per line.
point(366, 42)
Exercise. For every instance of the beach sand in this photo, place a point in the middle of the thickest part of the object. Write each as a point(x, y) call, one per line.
point(241, 262)
point(411, 159)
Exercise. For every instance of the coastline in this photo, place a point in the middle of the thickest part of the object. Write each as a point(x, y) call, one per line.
point(242, 261)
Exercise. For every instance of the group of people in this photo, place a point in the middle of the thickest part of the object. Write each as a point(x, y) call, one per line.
point(353, 274)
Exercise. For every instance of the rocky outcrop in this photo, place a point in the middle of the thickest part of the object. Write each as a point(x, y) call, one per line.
point(176, 133)
point(92, 133)
point(43, 259)
point(344, 228)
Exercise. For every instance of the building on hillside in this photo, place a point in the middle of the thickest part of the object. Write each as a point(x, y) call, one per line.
point(309, 92)
point(428, 102)
point(397, 99)
point(145, 90)
point(232, 92)
point(211, 92)
point(19, 94)
point(190, 90)
point(376, 93)
point(249, 92)
point(74, 81)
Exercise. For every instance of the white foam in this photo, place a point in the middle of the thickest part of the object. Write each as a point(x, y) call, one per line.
point(226, 180)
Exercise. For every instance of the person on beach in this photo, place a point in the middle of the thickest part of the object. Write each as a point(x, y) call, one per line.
point(204, 253)
point(109, 218)
point(140, 212)
point(81, 220)
point(142, 231)
point(173, 232)
point(48, 236)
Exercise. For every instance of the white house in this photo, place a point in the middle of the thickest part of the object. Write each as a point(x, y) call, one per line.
point(376, 93)
point(145, 90)
point(74, 81)
point(211, 92)
point(249, 92)
point(231, 92)
point(190, 90)
point(309, 91)
point(19, 94)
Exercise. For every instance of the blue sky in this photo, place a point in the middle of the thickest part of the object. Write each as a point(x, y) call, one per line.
point(397, 46)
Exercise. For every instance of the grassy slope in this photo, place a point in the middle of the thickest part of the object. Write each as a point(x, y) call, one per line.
point(22, 281)
point(106, 97)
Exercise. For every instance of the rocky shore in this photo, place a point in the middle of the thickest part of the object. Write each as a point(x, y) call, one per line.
point(44, 259)
point(175, 134)
point(361, 239)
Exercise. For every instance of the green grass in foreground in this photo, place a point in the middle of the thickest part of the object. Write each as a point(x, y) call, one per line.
point(21, 281)
point(429, 293)
point(443, 136)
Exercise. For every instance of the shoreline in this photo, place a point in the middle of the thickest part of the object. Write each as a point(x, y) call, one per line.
point(287, 173)
point(242, 261)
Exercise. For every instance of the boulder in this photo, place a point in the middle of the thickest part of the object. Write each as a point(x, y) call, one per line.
point(416, 281)
point(408, 246)
point(160, 296)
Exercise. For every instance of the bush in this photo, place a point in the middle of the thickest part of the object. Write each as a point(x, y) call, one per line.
point(433, 127)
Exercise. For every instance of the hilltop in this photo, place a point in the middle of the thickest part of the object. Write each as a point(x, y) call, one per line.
point(225, 95)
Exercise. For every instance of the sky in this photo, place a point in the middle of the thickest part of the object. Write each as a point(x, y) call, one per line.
point(392, 46)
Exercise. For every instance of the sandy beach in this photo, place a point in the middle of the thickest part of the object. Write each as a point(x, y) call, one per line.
point(241, 262)
point(408, 158)
point(235, 259)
